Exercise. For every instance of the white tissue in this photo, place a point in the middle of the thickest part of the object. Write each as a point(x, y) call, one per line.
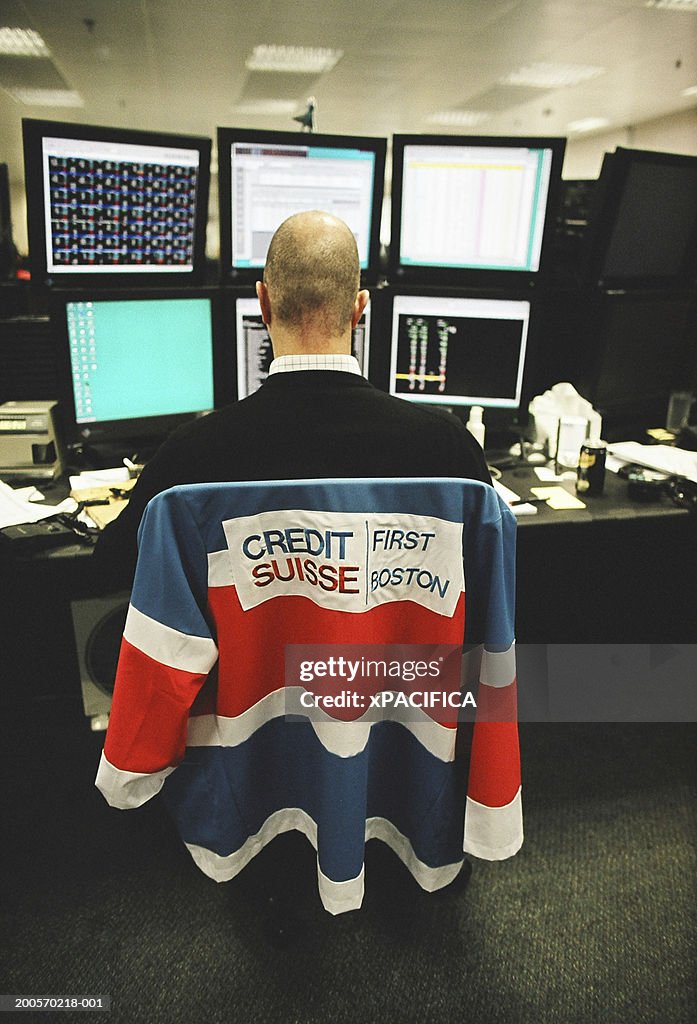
point(561, 400)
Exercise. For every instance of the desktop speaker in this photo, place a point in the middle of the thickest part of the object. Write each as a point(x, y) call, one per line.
point(98, 624)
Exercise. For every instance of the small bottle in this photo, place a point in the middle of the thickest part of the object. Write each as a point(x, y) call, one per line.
point(591, 468)
point(475, 424)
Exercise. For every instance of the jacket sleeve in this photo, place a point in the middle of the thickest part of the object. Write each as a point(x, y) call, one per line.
point(166, 654)
point(493, 813)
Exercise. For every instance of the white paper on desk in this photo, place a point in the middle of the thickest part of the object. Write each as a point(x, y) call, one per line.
point(14, 510)
point(99, 478)
point(28, 494)
point(659, 457)
point(547, 475)
point(506, 493)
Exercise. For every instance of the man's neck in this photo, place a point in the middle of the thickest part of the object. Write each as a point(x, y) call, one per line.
point(290, 344)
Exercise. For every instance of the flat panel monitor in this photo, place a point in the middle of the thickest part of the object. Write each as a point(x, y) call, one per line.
point(266, 176)
point(7, 249)
point(254, 352)
point(28, 366)
point(135, 365)
point(473, 210)
point(638, 347)
point(643, 224)
point(115, 205)
point(456, 351)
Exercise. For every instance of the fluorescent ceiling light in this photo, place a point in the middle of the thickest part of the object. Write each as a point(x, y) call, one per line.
point(458, 118)
point(587, 124)
point(22, 42)
point(552, 76)
point(46, 97)
point(673, 5)
point(298, 59)
point(266, 107)
point(690, 91)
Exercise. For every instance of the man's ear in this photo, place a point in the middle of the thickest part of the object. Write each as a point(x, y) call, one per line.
point(359, 305)
point(263, 296)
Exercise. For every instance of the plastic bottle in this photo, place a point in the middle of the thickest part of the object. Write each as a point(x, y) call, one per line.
point(475, 424)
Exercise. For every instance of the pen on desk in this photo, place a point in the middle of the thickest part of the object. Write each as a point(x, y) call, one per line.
point(133, 466)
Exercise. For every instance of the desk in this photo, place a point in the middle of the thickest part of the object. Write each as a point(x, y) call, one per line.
point(616, 572)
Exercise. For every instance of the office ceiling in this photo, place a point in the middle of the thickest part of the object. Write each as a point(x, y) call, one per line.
point(172, 66)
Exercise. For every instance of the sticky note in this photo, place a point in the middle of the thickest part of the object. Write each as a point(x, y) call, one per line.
point(557, 497)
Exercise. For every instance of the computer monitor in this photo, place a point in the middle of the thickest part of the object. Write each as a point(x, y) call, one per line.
point(253, 345)
point(7, 249)
point(115, 205)
point(135, 364)
point(636, 348)
point(642, 230)
point(457, 351)
point(29, 368)
point(266, 176)
point(472, 210)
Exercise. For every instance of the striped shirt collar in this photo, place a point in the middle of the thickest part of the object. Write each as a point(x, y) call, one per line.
point(315, 361)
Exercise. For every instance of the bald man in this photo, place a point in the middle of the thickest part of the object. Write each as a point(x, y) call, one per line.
point(316, 415)
point(310, 298)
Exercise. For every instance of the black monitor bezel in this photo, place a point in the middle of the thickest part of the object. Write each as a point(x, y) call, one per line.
point(7, 246)
point(227, 137)
point(610, 323)
point(474, 277)
point(34, 130)
point(233, 295)
point(497, 417)
point(605, 212)
point(5, 206)
point(149, 430)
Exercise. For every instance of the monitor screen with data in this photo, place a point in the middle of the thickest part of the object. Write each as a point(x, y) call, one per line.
point(114, 205)
point(136, 363)
point(472, 208)
point(254, 352)
point(266, 176)
point(456, 351)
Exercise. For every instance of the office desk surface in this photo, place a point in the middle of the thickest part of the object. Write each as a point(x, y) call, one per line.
point(613, 504)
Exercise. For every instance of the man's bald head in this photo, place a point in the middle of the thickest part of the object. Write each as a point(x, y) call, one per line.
point(312, 274)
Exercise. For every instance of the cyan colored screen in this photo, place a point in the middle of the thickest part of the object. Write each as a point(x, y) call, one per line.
point(144, 357)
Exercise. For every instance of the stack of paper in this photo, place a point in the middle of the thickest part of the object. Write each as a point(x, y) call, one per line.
point(660, 457)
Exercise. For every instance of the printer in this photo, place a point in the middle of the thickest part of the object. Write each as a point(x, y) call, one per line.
point(29, 440)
